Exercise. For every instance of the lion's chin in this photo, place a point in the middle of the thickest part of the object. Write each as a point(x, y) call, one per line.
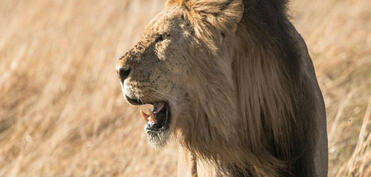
point(157, 139)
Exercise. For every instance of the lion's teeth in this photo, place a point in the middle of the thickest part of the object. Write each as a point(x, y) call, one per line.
point(144, 115)
point(148, 117)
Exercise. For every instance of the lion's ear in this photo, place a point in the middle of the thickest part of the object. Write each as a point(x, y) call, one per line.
point(175, 2)
point(221, 14)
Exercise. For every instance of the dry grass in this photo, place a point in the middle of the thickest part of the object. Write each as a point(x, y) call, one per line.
point(61, 110)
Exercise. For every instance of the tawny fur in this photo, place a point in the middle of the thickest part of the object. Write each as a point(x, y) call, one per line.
point(241, 87)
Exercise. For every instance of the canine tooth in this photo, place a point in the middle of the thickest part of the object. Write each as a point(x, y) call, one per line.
point(144, 115)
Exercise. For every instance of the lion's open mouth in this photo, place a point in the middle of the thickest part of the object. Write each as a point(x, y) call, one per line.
point(158, 119)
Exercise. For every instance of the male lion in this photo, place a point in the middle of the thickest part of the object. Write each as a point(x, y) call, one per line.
point(232, 81)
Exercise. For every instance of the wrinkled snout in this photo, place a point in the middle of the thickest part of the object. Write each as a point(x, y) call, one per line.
point(124, 65)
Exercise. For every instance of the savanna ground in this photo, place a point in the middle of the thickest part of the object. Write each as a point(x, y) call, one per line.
point(61, 110)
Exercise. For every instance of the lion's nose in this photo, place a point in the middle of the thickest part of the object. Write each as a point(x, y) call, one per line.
point(124, 73)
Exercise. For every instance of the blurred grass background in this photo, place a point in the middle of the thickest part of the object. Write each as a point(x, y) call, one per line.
point(61, 109)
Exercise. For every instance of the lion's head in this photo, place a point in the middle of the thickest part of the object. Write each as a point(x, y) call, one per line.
point(233, 82)
point(179, 66)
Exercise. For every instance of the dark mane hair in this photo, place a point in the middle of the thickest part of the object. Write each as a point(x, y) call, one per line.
point(272, 92)
point(279, 104)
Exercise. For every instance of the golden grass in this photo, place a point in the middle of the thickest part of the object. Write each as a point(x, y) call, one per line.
point(61, 110)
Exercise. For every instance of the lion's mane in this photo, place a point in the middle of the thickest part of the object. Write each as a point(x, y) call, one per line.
point(262, 120)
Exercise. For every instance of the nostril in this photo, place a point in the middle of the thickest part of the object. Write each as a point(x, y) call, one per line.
point(124, 73)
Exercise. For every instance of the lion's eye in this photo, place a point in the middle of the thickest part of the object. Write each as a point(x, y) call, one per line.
point(159, 38)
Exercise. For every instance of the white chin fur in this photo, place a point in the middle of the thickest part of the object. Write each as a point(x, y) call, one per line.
point(157, 139)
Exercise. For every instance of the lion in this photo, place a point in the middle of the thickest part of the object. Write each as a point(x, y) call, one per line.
point(231, 81)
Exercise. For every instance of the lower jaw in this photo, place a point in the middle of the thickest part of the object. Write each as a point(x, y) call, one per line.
point(157, 139)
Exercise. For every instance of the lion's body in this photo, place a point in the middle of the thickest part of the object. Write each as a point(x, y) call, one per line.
point(243, 91)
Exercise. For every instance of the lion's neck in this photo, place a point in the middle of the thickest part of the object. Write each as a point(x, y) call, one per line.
point(259, 138)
